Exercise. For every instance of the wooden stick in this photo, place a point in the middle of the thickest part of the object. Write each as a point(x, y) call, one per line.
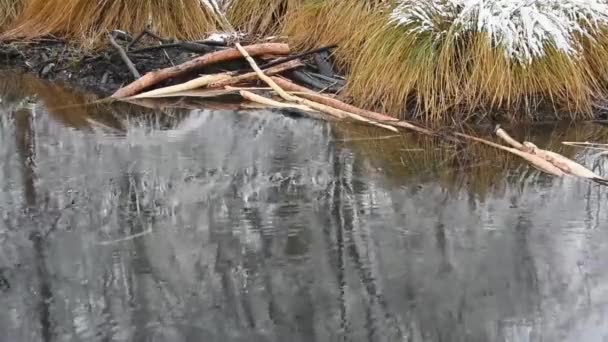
point(314, 105)
point(501, 133)
point(536, 161)
point(214, 81)
point(297, 56)
point(124, 57)
point(253, 75)
point(563, 163)
point(192, 84)
point(307, 93)
point(158, 76)
point(270, 102)
point(188, 46)
point(311, 95)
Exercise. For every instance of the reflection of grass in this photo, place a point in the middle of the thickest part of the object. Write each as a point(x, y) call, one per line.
point(86, 19)
point(421, 159)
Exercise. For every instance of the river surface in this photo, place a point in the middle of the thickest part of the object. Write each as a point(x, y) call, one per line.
point(120, 223)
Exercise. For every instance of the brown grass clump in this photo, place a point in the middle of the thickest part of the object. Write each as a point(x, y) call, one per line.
point(9, 9)
point(410, 75)
point(346, 23)
point(261, 17)
point(86, 20)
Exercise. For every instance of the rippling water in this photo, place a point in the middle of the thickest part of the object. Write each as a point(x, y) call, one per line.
point(119, 223)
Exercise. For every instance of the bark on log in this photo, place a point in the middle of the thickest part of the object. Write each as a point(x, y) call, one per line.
point(157, 76)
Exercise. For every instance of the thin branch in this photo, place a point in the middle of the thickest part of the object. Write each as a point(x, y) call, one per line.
point(296, 56)
point(124, 57)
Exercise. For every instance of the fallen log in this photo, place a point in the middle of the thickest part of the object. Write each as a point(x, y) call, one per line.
point(567, 165)
point(535, 160)
point(192, 84)
point(326, 100)
point(329, 101)
point(214, 81)
point(158, 76)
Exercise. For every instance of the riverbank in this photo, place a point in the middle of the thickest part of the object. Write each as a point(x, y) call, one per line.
point(102, 71)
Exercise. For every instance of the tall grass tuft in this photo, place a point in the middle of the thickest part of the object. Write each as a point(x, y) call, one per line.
point(346, 23)
point(261, 17)
point(9, 9)
point(445, 58)
point(86, 20)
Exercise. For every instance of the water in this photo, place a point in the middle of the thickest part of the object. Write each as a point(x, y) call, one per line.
point(119, 223)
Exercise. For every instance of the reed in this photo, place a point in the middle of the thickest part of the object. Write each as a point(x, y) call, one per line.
point(449, 63)
point(87, 20)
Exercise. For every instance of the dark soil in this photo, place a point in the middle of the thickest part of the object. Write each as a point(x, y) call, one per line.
point(101, 71)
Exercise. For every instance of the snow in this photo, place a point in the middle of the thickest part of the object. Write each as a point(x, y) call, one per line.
point(522, 27)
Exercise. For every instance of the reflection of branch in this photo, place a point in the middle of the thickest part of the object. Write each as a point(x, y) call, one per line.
point(348, 221)
point(44, 288)
point(24, 136)
point(25, 142)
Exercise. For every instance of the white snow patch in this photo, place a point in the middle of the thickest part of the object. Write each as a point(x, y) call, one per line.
point(522, 27)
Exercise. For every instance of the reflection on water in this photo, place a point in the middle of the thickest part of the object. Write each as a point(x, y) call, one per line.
point(124, 224)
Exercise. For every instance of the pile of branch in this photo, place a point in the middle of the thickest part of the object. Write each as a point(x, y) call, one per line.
point(291, 94)
point(281, 92)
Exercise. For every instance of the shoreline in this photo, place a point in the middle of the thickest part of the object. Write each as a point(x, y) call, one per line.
point(102, 71)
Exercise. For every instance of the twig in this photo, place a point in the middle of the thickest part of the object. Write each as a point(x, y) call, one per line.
point(588, 145)
point(296, 56)
point(124, 56)
point(327, 78)
point(136, 39)
point(142, 34)
point(188, 46)
point(157, 76)
point(313, 82)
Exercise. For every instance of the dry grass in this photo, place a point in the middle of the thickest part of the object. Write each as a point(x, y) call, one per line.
point(9, 9)
point(415, 75)
point(86, 20)
point(261, 17)
point(346, 23)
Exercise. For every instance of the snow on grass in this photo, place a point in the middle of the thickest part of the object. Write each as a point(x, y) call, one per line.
point(522, 27)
